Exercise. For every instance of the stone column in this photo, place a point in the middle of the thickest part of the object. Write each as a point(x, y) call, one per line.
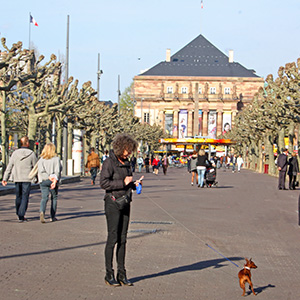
point(205, 122)
point(219, 122)
point(175, 124)
point(196, 110)
point(190, 123)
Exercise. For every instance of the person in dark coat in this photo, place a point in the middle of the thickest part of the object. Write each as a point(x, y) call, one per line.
point(282, 164)
point(147, 163)
point(293, 171)
point(133, 163)
point(116, 180)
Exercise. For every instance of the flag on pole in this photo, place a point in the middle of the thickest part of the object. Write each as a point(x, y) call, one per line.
point(201, 3)
point(32, 20)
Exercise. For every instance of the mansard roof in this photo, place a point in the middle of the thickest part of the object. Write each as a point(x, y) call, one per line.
point(199, 58)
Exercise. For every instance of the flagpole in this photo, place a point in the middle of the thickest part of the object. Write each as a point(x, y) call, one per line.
point(29, 30)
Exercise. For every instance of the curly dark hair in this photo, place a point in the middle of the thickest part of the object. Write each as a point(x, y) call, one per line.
point(124, 141)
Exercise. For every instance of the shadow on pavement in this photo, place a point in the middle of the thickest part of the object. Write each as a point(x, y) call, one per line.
point(260, 289)
point(215, 263)
point(81, 214)
point(66, 248)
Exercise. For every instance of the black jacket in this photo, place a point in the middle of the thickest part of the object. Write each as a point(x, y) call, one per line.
point(202, 161)
point(113, 174)
point(293, 166)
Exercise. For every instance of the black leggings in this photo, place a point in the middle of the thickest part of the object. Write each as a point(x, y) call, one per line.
point(117, 227)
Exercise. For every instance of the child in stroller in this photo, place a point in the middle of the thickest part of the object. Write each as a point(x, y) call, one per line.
point(210, 176)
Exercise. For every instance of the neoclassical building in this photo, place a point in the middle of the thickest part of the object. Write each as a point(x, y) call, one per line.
point(196, 92)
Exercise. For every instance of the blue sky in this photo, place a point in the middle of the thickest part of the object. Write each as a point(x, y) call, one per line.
point(133, 35)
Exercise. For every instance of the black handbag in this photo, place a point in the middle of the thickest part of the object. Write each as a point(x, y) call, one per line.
point(122, 201)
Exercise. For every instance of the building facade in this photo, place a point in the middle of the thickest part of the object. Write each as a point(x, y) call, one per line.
point(196, 92)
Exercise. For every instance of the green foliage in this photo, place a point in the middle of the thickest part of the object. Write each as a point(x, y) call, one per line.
point(126, 102)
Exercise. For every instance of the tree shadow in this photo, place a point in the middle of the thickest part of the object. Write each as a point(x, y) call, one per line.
point(81, 214)
point(143, 234)
point(215, 263)
point(66, 216)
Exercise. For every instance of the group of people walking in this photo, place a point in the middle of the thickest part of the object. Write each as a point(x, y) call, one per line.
point(47, 170)
point(146, 162)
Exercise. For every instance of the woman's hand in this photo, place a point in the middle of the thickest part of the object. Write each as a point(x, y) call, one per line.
point(140, 181)
point(127, 180)
point(54, 182)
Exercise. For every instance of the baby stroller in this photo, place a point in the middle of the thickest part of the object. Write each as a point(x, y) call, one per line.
point(210, 176)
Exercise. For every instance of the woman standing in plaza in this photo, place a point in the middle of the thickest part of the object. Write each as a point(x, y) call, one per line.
point(116, 180)
point(201, 167)
point(49, 172)
point(293, 171)
point(194, 159)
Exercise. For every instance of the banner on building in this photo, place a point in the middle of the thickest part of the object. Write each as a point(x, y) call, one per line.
point(200, 122)
point(182, 127)
point(212, 124)
point(169, 122)
point(226, 124)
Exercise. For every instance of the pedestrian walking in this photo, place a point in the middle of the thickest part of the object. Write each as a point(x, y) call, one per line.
point(133, 163)
point(282, 164)
point(140, 163)
point(189, 164)
point(20, 164)
point(93, 164)
point(147, 163)
point(165, 164)
point(105, 156)
point(155, 164)
point(194, 159)
point(116, 180)
point(293, 171)
point(49, 172)
point(239, 163)
point(227, 162)
point(201, 167)
point(233, 160)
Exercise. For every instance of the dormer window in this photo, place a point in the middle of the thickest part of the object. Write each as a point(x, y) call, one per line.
point(184, 90)
point(170, 90)
point(213, 90)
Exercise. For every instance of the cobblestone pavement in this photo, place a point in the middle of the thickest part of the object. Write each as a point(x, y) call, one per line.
point(183, 243)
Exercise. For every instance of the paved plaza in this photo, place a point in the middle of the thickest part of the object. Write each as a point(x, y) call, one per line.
point(183, 242)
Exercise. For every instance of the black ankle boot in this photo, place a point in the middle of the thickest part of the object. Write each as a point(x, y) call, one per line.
point(122, 279)
point(110, 280)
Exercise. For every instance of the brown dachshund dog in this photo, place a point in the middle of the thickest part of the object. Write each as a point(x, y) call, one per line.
point(245, 275)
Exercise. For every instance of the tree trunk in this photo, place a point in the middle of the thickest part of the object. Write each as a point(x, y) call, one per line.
point(3, 132)
point(245, 156)
point(269, 153)
point(59, 138)
point(93, 140)
point(49, 130)
point(32, 127)
point(280, 143)
point(253, 155)
point(260, 156)
point(70, 139)
point(291, 137)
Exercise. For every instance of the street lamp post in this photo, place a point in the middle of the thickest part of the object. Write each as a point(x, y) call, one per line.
point(119, 94)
